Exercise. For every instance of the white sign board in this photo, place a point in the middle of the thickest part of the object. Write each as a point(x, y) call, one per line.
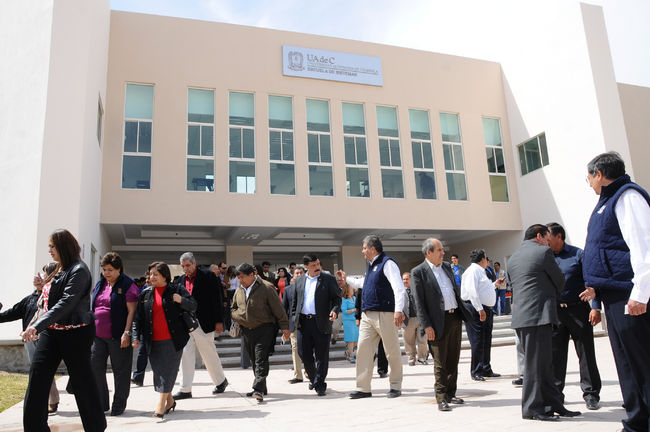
point(331, 65)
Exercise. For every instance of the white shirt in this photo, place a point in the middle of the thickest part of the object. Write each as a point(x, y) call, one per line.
point(477, 288)
point(633, 214)
point(445, 286)
point(391, 271)
point(308, 303)
point(248, 290)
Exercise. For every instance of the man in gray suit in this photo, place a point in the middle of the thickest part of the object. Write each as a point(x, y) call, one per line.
point(536, 283)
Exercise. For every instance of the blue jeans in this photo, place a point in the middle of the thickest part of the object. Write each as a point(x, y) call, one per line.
point(500, 306)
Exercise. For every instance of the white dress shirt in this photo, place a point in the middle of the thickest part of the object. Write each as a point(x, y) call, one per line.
point(477, 288)
point(308, 303)
point(445, 285)
point(248, 290)
point(391, 271)
point(633, 214)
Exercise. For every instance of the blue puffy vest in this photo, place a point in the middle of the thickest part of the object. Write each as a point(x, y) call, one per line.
point(377, 294)
point(606, 260)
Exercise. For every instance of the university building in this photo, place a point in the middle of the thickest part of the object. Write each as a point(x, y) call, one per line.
point(151, 136)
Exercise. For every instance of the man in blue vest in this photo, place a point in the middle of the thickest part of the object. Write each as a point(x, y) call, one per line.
point(381, 305)
point(616, 269)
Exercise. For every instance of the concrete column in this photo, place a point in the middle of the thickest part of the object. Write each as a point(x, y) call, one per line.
point(236, 255)
point(353, 261)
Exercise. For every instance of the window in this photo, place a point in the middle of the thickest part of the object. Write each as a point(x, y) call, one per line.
point(389, 154)
point(356, 156)
point(100, 119)
point(319, 148)
point(425, 181)
point(241, 120)
point(452, 149)
point(138, 125)
point(200, 140)
point(533, 154)
point(495, 160)
point(283, 178)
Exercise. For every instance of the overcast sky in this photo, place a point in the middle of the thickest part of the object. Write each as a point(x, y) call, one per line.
point(398, 22)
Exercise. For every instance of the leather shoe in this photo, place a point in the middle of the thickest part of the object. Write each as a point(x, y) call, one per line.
point(311, 386)
point(382, 374)
point(518, 382)
point(117, 411)
point(541, 417)
point(182, 395)
point(592, 403)
point(321, 392)
point(411, 362)
point(566, 413)
point(394, 393)
point(478, 378)
point(137, 382)
point(251, 394)
point(423, 362)
point(444, 406)
point(295, 380)
point(492, 375)
point(456, 401)
point(360, 395)
point(258, 396)
point(221, 387)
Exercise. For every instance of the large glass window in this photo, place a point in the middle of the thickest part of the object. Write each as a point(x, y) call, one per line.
point(319, 148)
point(425, 180)
point(200, 140)
point(356, 155)
point(389, 152)
point(241, 120)
point(283, 181)
point(533, 154)
point(495, 160)
point(452, 149)
point(138, 125)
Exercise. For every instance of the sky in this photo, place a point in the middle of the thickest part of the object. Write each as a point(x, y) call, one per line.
point(401, 22)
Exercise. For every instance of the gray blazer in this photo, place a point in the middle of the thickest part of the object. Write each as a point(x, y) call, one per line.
point(536, 283)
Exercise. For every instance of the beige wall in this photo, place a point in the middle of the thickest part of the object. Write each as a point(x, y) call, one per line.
point(174, 54)
point(635, 102)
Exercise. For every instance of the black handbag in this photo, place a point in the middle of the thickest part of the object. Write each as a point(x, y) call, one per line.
point(190, 321)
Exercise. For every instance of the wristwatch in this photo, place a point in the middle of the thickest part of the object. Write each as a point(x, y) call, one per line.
point(127, 332)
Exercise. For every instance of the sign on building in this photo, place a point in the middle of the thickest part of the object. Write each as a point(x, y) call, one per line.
point(331, 65)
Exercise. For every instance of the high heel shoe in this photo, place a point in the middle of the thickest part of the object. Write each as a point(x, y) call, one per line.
point(158, 415)
point(52, 408)
point(171, 408)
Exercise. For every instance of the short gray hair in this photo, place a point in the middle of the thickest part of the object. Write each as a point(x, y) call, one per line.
point(373, 240)
point(188, 256)
point(428, 245)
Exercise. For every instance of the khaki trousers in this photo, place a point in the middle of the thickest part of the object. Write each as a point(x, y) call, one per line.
point(297, 361)
point(374, 326)
point(204, 342)
point(412, 337)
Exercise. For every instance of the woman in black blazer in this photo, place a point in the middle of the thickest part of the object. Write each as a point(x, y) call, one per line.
point(65, 332)
point(158, 323)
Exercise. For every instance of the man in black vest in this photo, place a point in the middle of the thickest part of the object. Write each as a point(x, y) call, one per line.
point(316, 303)
point(205, 287)
point(381, 305)
point(616, 267)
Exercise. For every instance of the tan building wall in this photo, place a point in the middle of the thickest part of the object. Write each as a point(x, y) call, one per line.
point(174, 54)
point(635, 102)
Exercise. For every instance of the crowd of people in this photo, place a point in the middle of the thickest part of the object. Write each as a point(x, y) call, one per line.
point(557, 292)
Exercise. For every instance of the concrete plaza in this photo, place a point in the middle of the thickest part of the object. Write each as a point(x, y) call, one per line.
point(490, 405)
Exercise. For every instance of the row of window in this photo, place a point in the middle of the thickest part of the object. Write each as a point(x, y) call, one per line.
point(138, 126)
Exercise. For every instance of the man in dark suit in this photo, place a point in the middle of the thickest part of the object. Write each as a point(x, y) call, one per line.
point(536, 283)
point(316, 304)
point(205, 287)
point(440, 311)
point(287, 302)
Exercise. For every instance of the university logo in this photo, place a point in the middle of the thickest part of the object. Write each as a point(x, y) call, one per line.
point(295, 60)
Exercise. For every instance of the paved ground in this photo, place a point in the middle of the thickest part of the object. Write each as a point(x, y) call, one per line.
point(491, 405)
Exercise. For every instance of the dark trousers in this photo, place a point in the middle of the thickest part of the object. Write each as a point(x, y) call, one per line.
point(73, 347)
point(445, 350)
point(141, 363)
point(257, 342)
point(382, 360)
point(314, 351)
point(629, 337)
point(539, 394)
point(574, 324)
point(121, 362)
point(479, 334)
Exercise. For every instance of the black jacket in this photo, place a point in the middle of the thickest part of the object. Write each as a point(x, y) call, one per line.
point(208, 293)
point(69, 300)
point(327, 298)
point(24, 309)
point(143, 322)
point(287, 303)
point(429, 302)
